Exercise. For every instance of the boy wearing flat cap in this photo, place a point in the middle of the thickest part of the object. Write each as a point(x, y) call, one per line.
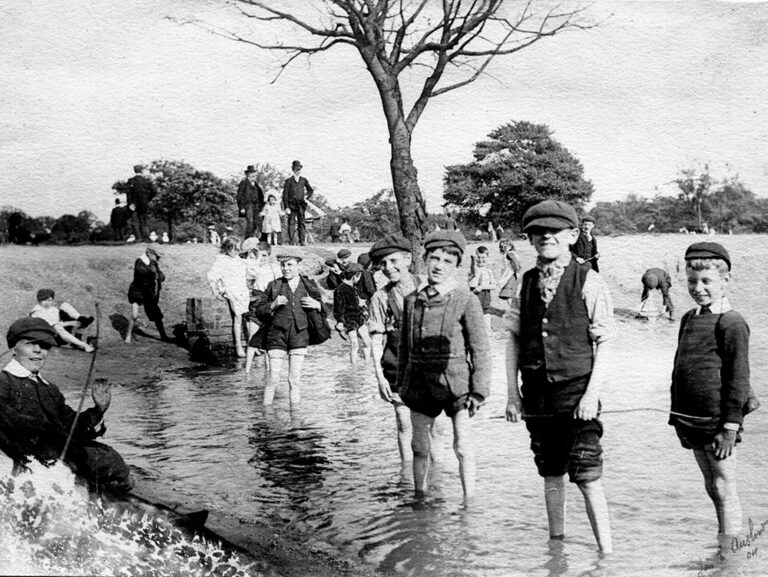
point(560, 330)
point(444, 363)
point(392, 254)
point(35, 421)
point(710, 379)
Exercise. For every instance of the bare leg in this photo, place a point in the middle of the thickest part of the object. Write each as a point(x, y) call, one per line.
point(554, 497)
point(366, 338)
point(71, 339)
point(353, 347)
point(404, 430)
point(132, 321)
point(295, 367)
point(462, 446)
point(420, 445)
point(597, 511)
point(276, 358)
point(720, 482)
point(237, 332)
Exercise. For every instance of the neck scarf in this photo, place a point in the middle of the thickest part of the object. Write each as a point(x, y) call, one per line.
point(550, 273)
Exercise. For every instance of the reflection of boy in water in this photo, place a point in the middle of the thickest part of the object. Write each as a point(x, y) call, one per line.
point(657, 279)
point(711, 379)
point(558, 339)
point(444, 362)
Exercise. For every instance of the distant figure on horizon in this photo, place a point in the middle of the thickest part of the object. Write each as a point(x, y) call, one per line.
point(334, 232)
point(250, 202)
point(585, 247)
point(450, 222)
point(271, 226)
point(213, 237)
point(119, 219)
point(140, 193)
point(345, 230)
point(296, 192)
point(657, 279)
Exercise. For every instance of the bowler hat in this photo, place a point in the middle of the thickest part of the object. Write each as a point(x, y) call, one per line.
point(295, 164)
point(708, 250)
point(250, 169)
point(553, 214)
point(32, 329)
point(390, 243)
point(364, 259)
point(45, 293)
point(138, 168)
point(444, 238)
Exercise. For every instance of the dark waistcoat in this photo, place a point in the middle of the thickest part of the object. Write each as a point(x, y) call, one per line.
point(291, 313)
point(556, 337)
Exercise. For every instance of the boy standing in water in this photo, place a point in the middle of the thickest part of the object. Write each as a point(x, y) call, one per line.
point(711, 379)
point(349, 313)
point(559, 338)
point(481, 282)
point(444, 362)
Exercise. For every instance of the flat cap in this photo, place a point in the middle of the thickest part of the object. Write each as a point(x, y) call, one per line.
point(290, 252)
point(45, 293)
point(364, 259)
point(344, 253)
point(553, 214)
point(33, 329)
point(330, 261)
point(708, 250)
point(150, 250)
point(587, 218)
point(443, 238)
point(352, 269)
point(390, 243)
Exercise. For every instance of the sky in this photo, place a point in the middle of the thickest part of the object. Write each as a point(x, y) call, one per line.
point(91, 88)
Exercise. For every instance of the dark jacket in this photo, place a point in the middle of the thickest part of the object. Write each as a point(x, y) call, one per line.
point(292, 313)
point(147, 280)
point(140, 192)
point(119, 217)
point(586, 249)
point(296, 194)
point(249, 193)
point(556, 337)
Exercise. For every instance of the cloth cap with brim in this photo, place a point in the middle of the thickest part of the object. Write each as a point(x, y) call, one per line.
point(552, 214)
point(389, 244)
point(32, 329)
point(444, 238)
point(151, 250)
point(588, 218)
point(288, 253)
point(364, 259)
point(330, 261)
point(708, 250)
point(344, 253)
point(353, 268)
point(45, 293)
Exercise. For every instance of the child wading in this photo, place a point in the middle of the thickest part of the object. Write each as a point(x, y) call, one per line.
point(558, 342)
point(228, 281)
point(481, 282)
point(444, 363)
point(710, 379)
point(350, 315)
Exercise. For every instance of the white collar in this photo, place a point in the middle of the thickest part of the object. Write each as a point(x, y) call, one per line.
point(16, 369)
point(294, 282)
point(717, 308)
point(144, 258)
point(443, 288)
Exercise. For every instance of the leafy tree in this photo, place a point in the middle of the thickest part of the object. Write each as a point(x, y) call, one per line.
point(695, 186)
point(730, 205)
point(71, 229)
point(441, 46)
point(519, 165)
point(185, 193)
point(375, 216)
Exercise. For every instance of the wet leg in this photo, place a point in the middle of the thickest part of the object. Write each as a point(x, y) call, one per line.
point(462, 446)
point(404, 430)
point(420, 444)
point(366, 339)
point(720, 483)
point(276, 358)
point(597, 511)
point(295, 368)
point(354, 347)
point(554, 498)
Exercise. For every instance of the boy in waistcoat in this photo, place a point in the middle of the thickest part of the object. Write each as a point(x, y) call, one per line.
point(444, 362)
point(711, 379)
point(559, 337)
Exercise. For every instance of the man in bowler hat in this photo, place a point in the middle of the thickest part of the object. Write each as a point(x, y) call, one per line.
point(140, 193)
point(250, 202)
point(296, 192)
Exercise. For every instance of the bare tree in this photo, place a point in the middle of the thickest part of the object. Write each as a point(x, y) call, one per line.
point(450, 42)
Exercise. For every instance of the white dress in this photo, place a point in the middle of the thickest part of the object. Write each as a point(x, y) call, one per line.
point(227, 278)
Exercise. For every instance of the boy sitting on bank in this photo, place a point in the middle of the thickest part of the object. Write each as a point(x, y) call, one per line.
point(711, 379)
point(349, 313)
point(559, 337)
point(63, 318)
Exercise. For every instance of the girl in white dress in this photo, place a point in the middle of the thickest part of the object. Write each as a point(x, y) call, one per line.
point(227, 278)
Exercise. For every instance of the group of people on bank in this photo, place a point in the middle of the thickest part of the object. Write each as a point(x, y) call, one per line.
point(431, 351)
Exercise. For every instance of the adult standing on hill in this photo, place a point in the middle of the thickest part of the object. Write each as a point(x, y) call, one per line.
point(250, 202)
point(118, 220)
point(145, 291)
point(296, 192)
point(585, 247)
point(140, 193)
